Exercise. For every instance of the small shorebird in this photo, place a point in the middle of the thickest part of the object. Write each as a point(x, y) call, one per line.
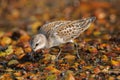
point(58, 32)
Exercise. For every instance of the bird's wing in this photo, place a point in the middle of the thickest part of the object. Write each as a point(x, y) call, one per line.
point(49, 27)
point(71, 30)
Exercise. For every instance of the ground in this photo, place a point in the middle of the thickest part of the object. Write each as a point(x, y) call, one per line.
point(98, 47)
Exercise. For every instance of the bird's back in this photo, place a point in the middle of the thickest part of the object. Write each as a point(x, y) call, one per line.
point(49, 27)
point(68, 31)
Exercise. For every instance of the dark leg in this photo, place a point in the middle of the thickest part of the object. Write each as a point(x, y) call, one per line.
point(76, 48)
point(58, 54)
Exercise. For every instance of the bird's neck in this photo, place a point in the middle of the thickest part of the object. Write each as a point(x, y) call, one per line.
point(49, 43)
point(46, 42)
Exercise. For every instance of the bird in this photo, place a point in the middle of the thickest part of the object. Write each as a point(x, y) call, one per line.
point(59, 32)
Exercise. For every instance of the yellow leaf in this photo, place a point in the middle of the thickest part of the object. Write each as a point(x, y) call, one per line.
point(115, 63)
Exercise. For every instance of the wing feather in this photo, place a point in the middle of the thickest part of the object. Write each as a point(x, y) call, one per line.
point(71, 30)
point(47, 29)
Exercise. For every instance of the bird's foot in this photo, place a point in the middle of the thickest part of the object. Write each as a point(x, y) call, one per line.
point(77, 50)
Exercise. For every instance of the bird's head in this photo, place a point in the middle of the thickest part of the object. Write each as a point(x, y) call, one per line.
point(38, 41)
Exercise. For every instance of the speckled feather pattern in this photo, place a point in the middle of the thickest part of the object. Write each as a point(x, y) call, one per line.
point(48, 28)
point(66, 30)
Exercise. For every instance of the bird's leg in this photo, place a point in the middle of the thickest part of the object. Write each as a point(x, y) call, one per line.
point(76, 48)
point(58, 54)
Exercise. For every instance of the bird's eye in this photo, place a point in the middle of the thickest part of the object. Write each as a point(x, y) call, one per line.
point(36, 44)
